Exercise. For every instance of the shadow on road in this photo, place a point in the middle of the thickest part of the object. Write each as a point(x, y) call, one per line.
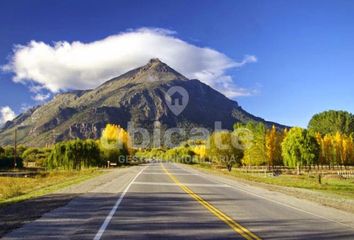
point(167, 215)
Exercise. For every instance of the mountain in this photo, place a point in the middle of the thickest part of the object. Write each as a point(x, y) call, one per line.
point(137, 96)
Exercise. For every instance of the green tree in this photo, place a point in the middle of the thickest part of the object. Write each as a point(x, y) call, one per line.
point(255, 152)
point(331, 122)
point(30, 155)
point(182, 154)
point(9, 151)
point(225, 148)
point(2, 151)
point(20, 150)
point(74, 154)
point(299, 148)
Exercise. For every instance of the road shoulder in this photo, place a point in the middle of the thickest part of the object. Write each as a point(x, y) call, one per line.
point(280, 195)
point(15, 215)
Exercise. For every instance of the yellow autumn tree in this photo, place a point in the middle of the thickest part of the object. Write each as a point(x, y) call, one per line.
point(200, 151)
point(319, 140)
point(346, 149)
point(350, 150)
point(327, 149)
point(336, 149)
point(337, 146)
point(115, 134)
point(274, 139)
point(115, 142)
point(271, 139)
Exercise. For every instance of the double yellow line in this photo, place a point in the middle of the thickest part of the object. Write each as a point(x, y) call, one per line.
point(244, 232)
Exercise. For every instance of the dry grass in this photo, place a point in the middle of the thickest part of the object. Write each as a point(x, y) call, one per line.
point(14, 189)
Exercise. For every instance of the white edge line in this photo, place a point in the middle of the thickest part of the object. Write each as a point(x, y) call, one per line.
point(115, 207)
point(271, 200)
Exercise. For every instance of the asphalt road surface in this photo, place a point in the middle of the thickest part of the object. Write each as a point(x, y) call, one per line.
point(167, 201)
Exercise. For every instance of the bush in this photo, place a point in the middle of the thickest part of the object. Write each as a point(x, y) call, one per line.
point(36, 156)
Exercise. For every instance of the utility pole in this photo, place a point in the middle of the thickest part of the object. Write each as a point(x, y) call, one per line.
point(15, 149)
point(53, 135)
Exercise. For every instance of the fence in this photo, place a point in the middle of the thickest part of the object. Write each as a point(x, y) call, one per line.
point(344, 171)
point(346, 174)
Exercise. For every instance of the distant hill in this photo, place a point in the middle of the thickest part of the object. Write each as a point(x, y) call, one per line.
point(137, 96)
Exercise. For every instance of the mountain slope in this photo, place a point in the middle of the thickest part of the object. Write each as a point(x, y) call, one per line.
point(137, 96)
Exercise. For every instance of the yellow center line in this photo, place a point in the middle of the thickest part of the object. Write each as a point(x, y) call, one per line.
point(244, 232)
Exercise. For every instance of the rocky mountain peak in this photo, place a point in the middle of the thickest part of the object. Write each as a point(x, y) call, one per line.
point(156, 70)
point(156, 65)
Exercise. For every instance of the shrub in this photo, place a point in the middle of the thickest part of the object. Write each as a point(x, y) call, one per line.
point(37, 156)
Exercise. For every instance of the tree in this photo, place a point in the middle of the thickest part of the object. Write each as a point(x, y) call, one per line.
point(21, 149)
point(343, 148)
point(328, 150)
point(322, 154)
point(225, 148)
point(274, 139)
point(9, 151)
point(331, 122)
point(336, 149)
point(200, 150)
point(182, 154)
point(115, 136)
point(347, 151)
point(74, 154)
point(2, 151)
point(114, 143)
point(30, 155)
point(35, 155)
point(255, 151)
point(299, 148)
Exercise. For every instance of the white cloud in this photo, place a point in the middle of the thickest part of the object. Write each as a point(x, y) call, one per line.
point(79, 65)
point(6, 114)
point(39, 97)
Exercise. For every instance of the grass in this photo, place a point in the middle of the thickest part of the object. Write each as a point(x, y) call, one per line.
point(340, 187)
point(15, 189)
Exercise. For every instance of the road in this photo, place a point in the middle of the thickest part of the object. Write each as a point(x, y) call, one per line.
point(168, 201)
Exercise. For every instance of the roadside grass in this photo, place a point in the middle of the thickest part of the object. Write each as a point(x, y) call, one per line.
point(339, 187)
point(16, 189)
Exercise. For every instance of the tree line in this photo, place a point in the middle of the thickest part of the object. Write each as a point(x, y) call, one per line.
point(71, 155)
point(328, 140)
point(78, 154)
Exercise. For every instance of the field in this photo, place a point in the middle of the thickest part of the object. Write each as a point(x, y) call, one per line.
point(15, 189)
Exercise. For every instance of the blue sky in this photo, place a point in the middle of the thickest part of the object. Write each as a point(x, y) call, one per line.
point(304, 49)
